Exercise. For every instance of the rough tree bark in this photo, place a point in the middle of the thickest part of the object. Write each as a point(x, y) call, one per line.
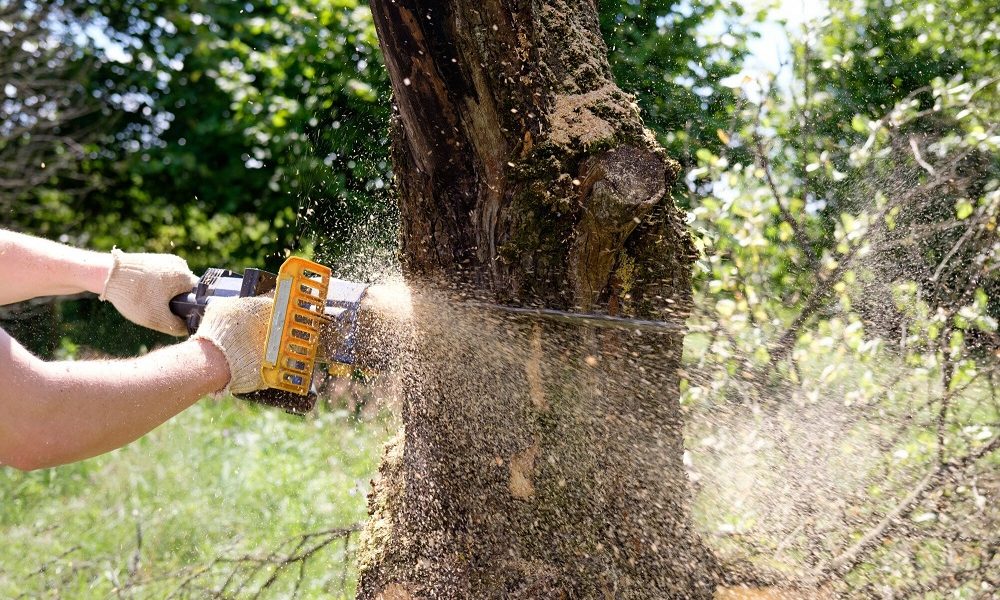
point(537, 459)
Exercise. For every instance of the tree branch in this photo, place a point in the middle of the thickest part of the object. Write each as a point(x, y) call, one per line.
point(800, 235)
point(851, 556)
point(818, 296)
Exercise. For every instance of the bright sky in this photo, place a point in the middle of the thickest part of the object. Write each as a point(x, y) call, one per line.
point(772, 48)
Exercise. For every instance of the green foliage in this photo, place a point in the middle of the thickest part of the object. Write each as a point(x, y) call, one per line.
point(73, 328)
point(865, 57)
point(886, 94)
point(238, 132)
point(673, 56)
point(845, 325)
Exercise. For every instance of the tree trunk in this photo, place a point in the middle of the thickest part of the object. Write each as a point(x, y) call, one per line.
point(538, 458)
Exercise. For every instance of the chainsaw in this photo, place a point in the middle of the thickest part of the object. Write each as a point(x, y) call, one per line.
point(314, 323)
point(312, 327)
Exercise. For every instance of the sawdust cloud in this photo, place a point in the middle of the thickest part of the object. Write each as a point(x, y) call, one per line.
point(775, 470)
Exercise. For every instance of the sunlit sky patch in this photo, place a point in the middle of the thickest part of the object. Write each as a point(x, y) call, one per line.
point(771, 52)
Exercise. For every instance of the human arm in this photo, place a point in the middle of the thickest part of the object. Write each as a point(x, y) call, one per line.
point(32, 267)
point(139, 285)
point(53, 413)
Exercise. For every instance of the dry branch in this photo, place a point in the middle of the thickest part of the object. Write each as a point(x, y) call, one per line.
point(239, 572)
point(825, 285)
point(854, 554)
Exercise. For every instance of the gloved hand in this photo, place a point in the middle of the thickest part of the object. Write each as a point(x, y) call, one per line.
point(141, 286)
point(238, 327)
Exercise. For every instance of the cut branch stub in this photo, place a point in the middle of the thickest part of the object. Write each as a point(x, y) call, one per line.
point(617, 190)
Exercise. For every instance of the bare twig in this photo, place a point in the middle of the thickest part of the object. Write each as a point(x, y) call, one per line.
point(980, 214)
point(800, 235)
point(303, 547)
point(300, 555)
point(48, 116)
point(918, 158)
point(47, 564)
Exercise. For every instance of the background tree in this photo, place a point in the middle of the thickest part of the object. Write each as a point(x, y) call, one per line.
point(47, 122)
point(877, 62)
point(214, 132)
point(673, 57)
point(45, 112)
point(859, 239)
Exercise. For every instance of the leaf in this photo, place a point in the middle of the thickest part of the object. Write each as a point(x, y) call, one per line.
point(963, 209)
point(723, 136)
point(785, 231)
point(362, 90)
point(726, 308)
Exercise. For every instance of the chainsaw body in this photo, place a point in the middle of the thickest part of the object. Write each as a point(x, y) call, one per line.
point(313, 323)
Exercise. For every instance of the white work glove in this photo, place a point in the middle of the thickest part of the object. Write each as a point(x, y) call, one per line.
point(238, 327)
point(142, 285)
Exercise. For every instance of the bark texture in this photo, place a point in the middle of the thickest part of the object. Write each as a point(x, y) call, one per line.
point(537, 459)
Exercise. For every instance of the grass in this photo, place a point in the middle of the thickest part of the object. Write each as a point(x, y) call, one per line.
point(223, 479)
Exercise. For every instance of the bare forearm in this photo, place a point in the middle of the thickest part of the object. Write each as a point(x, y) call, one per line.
point(86, 408)
point(32, 267)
